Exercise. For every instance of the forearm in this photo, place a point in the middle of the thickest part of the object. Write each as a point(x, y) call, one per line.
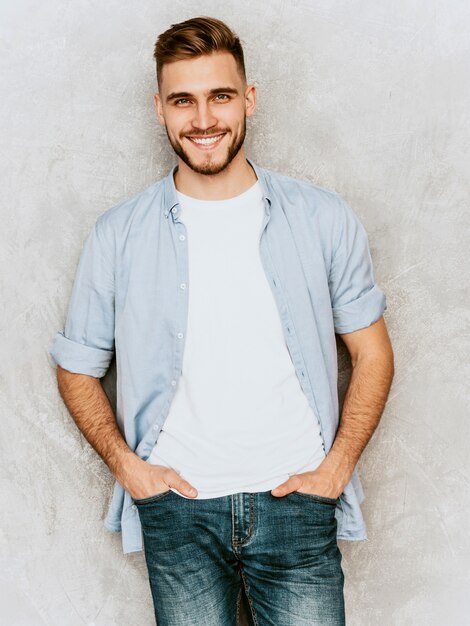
point(89, 407)
point(363, 406)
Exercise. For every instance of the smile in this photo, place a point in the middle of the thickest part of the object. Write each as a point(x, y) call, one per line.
point(205, 143)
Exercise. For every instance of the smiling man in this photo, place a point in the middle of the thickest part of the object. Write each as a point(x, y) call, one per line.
point(226, 127)
point(204, 113)
point(220, 289)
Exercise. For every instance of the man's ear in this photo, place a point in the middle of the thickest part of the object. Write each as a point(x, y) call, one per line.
point(159, 109)
point(250, 100)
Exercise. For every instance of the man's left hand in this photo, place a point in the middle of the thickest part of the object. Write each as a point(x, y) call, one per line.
point(318, 482)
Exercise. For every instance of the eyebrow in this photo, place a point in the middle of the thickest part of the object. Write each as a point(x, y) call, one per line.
point(212, 92)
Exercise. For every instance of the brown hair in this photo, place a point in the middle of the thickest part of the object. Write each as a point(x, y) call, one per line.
point(195, 37)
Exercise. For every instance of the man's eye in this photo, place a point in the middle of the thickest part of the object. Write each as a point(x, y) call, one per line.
point(181, 101)
point(222, 96)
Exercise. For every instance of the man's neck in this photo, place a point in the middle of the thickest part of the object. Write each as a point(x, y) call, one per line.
point(236, 178)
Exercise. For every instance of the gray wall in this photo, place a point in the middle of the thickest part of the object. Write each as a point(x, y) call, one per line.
point(368, 98)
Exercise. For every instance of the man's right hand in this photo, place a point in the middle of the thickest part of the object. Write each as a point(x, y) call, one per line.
point(144, 480)
point(89, 406)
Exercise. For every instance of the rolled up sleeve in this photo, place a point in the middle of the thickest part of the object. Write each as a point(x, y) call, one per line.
point(86, 344)
point(356, 300)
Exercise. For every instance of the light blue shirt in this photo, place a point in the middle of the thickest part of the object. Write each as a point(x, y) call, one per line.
point(130, 299)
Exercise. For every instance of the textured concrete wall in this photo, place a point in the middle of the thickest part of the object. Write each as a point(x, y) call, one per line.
point(368, 98)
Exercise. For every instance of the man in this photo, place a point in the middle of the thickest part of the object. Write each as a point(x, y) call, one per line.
point(220, 289)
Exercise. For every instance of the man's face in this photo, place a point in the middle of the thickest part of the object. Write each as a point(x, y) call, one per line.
point(203, 104)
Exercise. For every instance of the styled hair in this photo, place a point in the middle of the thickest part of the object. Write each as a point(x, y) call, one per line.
point(195, 37)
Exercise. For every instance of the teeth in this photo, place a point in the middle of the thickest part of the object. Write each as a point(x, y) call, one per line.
point(206, 140)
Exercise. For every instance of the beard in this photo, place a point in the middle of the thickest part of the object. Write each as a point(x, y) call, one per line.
point(209, 168)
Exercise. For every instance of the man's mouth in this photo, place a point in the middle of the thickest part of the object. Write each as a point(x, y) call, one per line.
point(206, 143)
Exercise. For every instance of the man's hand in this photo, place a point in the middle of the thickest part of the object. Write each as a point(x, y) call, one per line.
point(318, 482)
point(143, 480)
point(90, 408)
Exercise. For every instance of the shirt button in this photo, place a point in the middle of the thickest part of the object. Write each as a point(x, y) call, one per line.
point(183, 285)
point(155, 427)
point(180, 335)
point(182, 237)
point(173, 382)
point(134, 507)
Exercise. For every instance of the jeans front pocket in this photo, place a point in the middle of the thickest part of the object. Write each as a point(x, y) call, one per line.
point(154, 498)
point(317, 498)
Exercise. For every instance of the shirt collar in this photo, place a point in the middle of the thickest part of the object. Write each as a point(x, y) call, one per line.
point(170, 198)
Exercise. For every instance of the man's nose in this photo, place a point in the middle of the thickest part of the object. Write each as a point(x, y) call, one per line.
point(204, 117)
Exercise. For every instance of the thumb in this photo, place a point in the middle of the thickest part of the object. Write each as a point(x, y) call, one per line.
point(182, 485)
point(292, 484)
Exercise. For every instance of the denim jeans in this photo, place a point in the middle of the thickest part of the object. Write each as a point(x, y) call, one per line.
point(282, 551)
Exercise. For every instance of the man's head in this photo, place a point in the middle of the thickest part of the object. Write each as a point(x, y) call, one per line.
point(203, 98)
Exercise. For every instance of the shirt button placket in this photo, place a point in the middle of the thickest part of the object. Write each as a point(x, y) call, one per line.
point(183, 286)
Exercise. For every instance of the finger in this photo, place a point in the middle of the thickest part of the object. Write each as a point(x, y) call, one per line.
point(292, 484)
point(174, 480)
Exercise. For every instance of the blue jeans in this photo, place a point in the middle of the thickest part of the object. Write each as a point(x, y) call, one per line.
point(283, 551)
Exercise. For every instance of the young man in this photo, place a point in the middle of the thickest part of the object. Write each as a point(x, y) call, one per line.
point(220, 289)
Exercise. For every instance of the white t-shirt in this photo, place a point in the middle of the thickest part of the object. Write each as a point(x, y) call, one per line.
point(239, 420)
